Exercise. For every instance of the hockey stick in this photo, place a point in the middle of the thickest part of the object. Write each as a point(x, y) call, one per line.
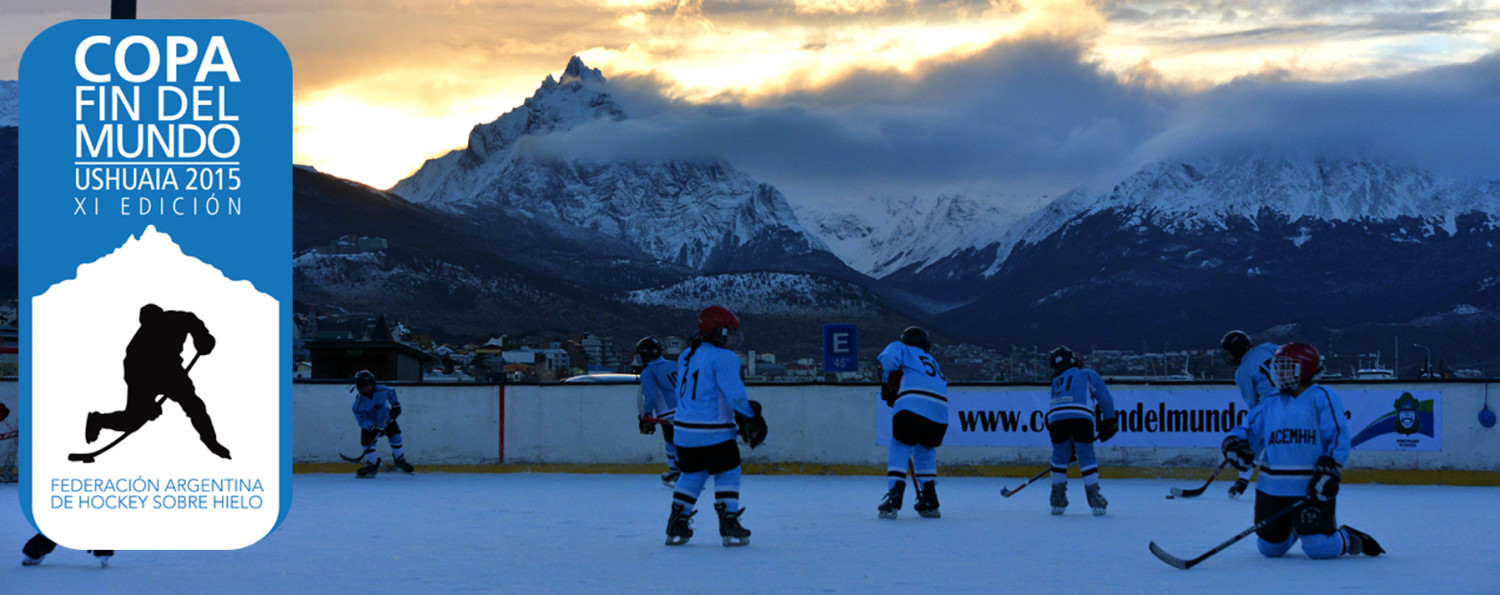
point(1007, 492)
point(657, 420)
point(1186, 564)
point(1198, 491)
point(88, 457)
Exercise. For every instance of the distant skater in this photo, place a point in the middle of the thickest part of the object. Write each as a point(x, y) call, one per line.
point(39, 546)
point(659, 400)
point(1253, 377)
point(1078, 396)
point(153, 367)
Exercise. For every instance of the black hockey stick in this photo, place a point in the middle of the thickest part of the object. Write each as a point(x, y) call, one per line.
point(1007, 492)
point(1198, 491)
point(1186, 564)
point(88, 457)
point(349, 459)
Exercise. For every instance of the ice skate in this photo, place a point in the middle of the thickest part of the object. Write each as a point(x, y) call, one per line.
point(679, 530)
point(1238, 489)
point(34, 551)
point(669, 478)
point(91, 427)
point(892, 502)
point(1097, 503)
point(729, 526)
point(404, 466)
point(1059, 498)
point(1361, 543)
point(368, 471)
point(927, 502)
point(216, 448)
point(103, 557)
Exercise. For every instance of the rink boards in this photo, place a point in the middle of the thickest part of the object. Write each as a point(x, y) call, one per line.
point(822, 428)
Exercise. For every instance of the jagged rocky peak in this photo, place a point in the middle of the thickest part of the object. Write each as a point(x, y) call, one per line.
point(557, 105)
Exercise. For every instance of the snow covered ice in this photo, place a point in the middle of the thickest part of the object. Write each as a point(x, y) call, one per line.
point(525, 532)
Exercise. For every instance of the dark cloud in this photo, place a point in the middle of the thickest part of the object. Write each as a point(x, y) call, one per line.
point(1037, 116)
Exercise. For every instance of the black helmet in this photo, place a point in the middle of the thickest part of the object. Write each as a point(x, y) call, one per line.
point(649, 347)
point(1235, 344)
point(916, 337)
point(1061, 359)
point(363, 377)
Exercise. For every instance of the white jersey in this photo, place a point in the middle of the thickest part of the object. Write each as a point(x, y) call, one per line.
point(924, 389)
point(709, 392)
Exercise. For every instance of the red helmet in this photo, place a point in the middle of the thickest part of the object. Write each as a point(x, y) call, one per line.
point(1295, 364)
point(716, 322)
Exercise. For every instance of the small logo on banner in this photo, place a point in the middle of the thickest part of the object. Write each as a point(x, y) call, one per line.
point(155, 241)
point(1407, 422)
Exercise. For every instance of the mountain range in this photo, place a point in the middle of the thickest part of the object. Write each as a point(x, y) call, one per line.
point(497, 237)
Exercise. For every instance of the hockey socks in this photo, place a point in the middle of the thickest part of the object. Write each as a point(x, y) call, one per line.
point(895, 469)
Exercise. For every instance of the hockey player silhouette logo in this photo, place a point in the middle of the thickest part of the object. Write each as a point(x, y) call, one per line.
point(153, 368)
point(1407, 421)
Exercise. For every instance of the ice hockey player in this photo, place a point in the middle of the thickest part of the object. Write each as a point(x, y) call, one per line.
point(914, 387)
point(376, 409)
point(712, 407)
point(153, 366)
point(658, 399)
point(1253, 377)
point(1077, 394)
point(39, 546)
point(1304, 441)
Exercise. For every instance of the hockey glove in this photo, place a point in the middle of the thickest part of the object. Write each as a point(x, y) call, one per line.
point(4, 412)
point(1325, 480)
point(752, 429)
point(1108, 428)
point(889, 391)
point(647, 427)
point(395, 410)
point(1237, 451)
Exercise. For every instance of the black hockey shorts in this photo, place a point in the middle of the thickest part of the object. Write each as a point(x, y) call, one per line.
point(911, 428)
point(1315, 518)
point(367, 437)
point(714, 458)
point(1078, 430)
point(666, 432)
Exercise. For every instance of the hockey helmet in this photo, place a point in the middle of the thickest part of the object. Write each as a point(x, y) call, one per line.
point(716, 324)
point(1235, 344)
point(1294, 365)
point(364, 377)
point(916, 336)
point(649, 347)
point(1061, 359)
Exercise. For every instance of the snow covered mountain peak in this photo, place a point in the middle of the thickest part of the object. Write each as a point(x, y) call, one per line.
point(580, 72)
point(697, 212)
point(1210, 191)
point(10, 105)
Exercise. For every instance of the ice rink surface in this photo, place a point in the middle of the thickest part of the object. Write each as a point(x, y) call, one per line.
point(522, 532)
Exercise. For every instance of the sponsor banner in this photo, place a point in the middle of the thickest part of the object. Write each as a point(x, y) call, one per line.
point(155, 286)
point(1179, 418)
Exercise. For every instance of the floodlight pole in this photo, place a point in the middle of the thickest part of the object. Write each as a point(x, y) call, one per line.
point(122, 9)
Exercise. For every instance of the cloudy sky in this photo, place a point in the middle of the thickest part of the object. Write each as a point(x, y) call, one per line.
point(830, 98)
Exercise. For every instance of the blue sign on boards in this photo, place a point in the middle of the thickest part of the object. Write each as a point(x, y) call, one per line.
point(840, 348)
point(155, 251)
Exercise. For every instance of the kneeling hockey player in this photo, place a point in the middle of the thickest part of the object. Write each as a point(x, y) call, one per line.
point(712, 407)
point(917, 391)
point(1305, 442)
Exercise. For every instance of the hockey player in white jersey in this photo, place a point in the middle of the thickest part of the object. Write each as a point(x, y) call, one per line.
point(712, 407)
point(915, 388)
point(658, 400)
point(1253, 377)
point(1077, 394)
point(1303, 440)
